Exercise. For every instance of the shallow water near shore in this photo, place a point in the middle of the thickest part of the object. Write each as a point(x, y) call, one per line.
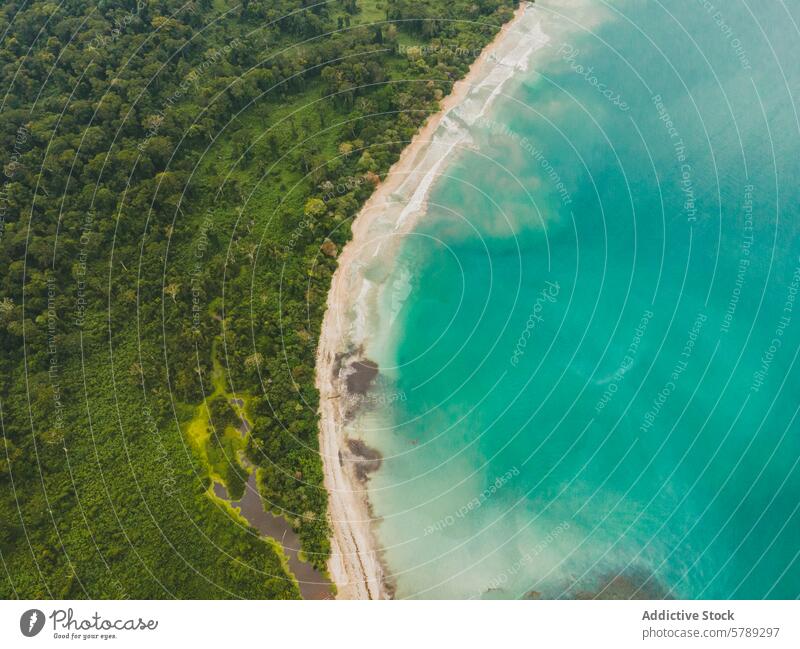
point(587, 346)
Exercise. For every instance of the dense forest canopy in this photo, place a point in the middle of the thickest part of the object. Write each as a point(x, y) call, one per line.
point(178, 178)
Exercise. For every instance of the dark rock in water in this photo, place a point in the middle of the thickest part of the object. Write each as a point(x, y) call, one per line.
point(361, 375)
point(365, 459)
point(337, 363)
point(635, 585)
point(359, 447)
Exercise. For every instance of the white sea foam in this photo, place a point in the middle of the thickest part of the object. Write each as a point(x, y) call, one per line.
point(409, 201)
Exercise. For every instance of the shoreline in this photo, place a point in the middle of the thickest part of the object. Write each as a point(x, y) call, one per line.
point(355, 565)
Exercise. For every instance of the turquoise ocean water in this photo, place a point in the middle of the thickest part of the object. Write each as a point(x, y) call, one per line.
point(589, 384)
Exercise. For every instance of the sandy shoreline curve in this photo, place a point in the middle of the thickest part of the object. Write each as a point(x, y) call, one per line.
point(355, 565)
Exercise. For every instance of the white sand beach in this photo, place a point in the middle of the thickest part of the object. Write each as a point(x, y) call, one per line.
point(397, 203)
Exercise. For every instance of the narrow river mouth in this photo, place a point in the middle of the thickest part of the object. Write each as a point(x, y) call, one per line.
point(313, 584)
